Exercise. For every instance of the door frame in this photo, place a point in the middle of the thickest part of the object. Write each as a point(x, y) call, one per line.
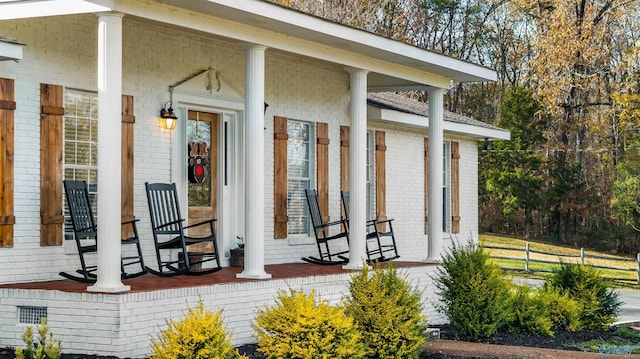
point(230, 206)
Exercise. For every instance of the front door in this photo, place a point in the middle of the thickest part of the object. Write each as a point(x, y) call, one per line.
point(202, 171)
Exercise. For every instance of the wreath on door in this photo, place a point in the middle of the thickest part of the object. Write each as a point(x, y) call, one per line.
point(198, 161)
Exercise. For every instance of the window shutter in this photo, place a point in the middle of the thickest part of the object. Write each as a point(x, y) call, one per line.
point(51, 217)
point(128, 122)
point(344, 162)
point(322, 156)
point(455, 187)
point(381, 181)
point(344, 158)
point(7, 108)
point(280, 137)
point(426, 186)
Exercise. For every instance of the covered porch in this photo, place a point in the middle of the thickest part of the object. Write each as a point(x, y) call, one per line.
point(370, 62)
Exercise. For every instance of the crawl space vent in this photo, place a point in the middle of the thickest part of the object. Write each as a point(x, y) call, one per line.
point(31, 315)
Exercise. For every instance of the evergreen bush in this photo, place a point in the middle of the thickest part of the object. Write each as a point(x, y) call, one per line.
point(45, 347)
point(199, 335)
point(563, 311)
point(526, 315)
point(473, 291)
point(585, 284)
point(541, 311)
point(388, 311)
point(297, 327)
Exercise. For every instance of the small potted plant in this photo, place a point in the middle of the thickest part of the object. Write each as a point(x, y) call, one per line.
point(237, 254)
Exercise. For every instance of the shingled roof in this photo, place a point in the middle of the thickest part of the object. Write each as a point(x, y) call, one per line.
point(392, 101)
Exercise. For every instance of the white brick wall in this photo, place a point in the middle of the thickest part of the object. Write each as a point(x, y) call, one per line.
point(124, 324)
point(61, 50)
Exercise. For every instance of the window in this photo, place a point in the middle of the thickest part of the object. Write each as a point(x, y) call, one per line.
point(371, 189)
point(80, 139)
point(300, 157)
point(446, 187)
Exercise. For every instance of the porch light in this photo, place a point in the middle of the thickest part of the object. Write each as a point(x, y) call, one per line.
point(169, 118)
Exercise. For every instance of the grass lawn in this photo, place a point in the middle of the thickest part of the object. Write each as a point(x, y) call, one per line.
point(553, 255)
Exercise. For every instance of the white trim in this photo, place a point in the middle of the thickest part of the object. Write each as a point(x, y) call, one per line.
point(231, 205)
point(284, 29)
point(279, 19)
point(10, 51)
point(25, 9)
point(281, 28)
point(375, 114)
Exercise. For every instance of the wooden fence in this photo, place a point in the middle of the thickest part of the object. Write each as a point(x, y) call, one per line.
point(531, 257)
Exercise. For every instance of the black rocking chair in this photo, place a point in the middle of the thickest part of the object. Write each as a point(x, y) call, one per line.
point(381, 245)
point(85, 230)
point(323, 238)
point(169, 235)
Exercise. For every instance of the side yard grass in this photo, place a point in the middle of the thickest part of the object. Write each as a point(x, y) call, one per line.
point(543, 257)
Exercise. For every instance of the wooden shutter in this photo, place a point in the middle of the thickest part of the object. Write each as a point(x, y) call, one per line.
point(381, 179)
point(344, 158)
point(7, 108)
point(322, 156)
point(455, 187)
point(426, 186)
point(128, 122)
point(344, 163)
point(51, 217)
point(280, 137)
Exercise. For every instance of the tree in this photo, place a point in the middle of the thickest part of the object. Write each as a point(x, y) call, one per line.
point(511, 170)
point(574, 70)
point(626, 201)
point(390, 18)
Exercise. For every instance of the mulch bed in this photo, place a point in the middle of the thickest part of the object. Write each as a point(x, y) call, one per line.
point(561, 339)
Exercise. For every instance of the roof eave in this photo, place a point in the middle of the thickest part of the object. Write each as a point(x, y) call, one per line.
point(10, 51)
point(393, 117)
point(272, 17)
point(28, 8)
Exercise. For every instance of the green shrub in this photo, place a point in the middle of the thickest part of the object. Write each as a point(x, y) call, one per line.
point(541, 311)
point(388, 312)
point(563, 311)
point(199, 335)
point(526, 315)
point(585, 284)
point(45, 347)
point(297, 327)
point(473, 291)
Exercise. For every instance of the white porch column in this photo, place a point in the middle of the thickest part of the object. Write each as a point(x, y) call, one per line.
point(358, 169)
point(254, 164)
point(436, 139)
point(109, 149)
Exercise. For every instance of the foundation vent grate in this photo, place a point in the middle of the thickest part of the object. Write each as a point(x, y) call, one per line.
point(31, 314)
